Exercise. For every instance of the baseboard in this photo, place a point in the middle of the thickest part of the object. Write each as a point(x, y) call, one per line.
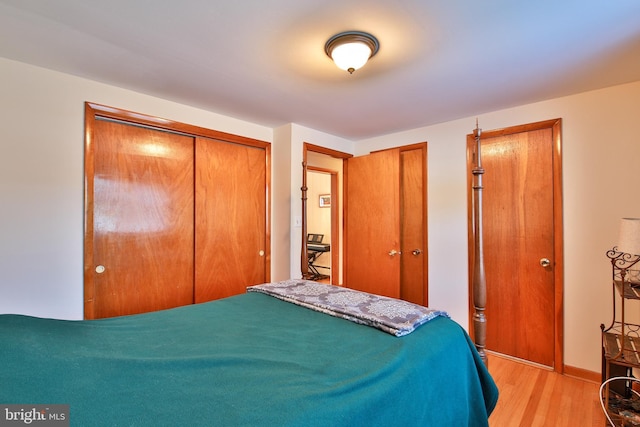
point(583, 374)
point(569, 371)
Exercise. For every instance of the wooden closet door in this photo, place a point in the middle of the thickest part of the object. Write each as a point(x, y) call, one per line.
point(142, 220)
point(230, 218)
point(373, 223)
point(413, 226)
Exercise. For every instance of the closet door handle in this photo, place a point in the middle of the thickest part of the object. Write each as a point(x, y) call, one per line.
point(393, 252)
point(416, 252)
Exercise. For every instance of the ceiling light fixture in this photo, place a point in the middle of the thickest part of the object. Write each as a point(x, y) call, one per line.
point(350, 50)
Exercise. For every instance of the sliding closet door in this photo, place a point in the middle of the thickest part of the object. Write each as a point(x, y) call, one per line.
point(373, 223)
point(231, 214)
point(142, 220)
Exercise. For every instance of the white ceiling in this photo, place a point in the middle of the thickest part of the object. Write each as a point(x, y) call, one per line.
point(263, 60)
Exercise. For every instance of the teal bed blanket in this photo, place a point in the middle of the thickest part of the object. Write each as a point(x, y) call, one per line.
point(247, 360)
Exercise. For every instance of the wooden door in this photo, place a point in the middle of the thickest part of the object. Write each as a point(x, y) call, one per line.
point(231, 251)
point(413, 226)
point(520, 203)
point(373, 223)
point(142, 220)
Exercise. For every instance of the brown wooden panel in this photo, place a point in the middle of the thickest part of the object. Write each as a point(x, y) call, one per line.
point(230, 218)
point(413, 226)
point(373, 223)
point(142, 219)
point(518, 232)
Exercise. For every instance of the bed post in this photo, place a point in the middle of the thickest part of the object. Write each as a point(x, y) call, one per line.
point(478, 281)
point(304, 260)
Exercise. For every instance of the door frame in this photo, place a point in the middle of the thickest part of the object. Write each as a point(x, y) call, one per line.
point(558, 244)
point(94, 112)
point(336, 227)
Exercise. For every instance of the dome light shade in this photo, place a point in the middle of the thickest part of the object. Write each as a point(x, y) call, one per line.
point(351, 56)
point(350, 50)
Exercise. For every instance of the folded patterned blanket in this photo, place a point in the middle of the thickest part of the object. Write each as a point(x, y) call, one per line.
point(391, 315)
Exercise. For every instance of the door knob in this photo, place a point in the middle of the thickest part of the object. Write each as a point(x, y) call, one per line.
point(393, 252)
point(100, 269)
point(545, 262)
point(416, 252)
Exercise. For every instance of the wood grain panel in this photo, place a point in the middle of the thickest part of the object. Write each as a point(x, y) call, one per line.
point(373, 223)
point(518, 233)
point(230, 218)
point(154, 187)
point(142, 219)
point(413, 226)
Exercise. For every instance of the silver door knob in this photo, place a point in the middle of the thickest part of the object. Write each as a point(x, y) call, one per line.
point(545, 262)
point(100, 269)
point(416, 252)
point(393, 252)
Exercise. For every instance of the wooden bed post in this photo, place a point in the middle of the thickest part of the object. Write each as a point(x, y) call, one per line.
point(304, 259)
point(479, 280)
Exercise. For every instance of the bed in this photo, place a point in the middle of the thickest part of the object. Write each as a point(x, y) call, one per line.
point(247, 360)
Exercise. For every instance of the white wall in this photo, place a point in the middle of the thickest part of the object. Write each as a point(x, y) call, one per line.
point(41, 181)
point(281, 213)
point(601, 160)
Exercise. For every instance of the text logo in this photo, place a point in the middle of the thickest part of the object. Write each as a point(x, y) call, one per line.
point(34, 415)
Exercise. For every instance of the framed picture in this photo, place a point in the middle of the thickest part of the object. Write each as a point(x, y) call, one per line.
point(325, 200)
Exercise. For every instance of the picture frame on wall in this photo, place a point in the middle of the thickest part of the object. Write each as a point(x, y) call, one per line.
point(325, 200)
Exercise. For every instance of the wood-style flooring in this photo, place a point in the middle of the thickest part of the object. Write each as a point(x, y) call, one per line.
point(533, 396)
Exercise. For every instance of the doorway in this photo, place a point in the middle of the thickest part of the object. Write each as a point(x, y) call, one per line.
point(322, 224)
point(522, 232)
point(323, 162)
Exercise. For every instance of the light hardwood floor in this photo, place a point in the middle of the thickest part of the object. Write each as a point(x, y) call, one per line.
point(532, 396)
